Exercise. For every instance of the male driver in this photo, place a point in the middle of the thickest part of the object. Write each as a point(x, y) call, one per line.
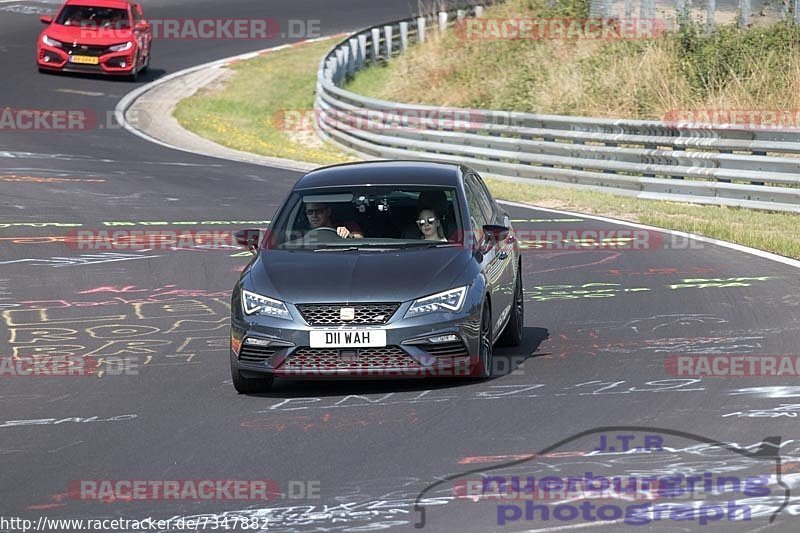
point(319, 216)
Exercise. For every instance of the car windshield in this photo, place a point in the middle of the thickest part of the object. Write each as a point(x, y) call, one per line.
point(370, 217)
point(93, 17)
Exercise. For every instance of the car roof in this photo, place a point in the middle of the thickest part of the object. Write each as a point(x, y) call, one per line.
point(100, 3)
point(382, 173)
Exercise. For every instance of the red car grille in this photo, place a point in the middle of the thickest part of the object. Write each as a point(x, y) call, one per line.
point(85, 50)
point(311, 359)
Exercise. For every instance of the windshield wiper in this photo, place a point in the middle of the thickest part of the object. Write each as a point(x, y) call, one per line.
point(336, 249)
point(424, 244)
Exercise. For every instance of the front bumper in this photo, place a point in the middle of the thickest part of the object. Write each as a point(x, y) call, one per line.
point(113, 63)
point(284, 350)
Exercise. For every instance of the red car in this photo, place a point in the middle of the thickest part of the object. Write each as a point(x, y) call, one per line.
point(96, 36)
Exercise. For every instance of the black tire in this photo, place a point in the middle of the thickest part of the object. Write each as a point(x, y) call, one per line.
point(485, 356)
point(134, 75)
point(512, 335)
point(147, 63)
point(245, 385)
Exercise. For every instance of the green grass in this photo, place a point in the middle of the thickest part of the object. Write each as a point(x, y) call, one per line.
point(731, 68)
point(773, 232)
point(248, 113)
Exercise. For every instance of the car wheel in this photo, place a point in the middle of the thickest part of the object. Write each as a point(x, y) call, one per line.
point(245, 385)
point(512, 335)
point(147, 61)
point(134, 75)
point(485, 358)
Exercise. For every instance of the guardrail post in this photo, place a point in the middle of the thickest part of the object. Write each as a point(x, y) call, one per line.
point(387, 37)
point(478, 11)
point(404, 36)
point(355, 60)
point(339, 66)
point(683, 12)
point(346, 62)
point(711, 8)
point(442, 21)
point(362, 50)
point(421, 29)
point(647, 9)
point(461, 14)
point(330, 69)
point(744, 12)
point(376, 44)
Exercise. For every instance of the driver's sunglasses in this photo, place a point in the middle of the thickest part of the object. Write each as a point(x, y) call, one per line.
point(429, 220)
point(314, 212)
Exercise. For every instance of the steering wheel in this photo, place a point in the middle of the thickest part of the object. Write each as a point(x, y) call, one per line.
point(323, 234)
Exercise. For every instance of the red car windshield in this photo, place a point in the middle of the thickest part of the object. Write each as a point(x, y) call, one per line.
point(97, 17)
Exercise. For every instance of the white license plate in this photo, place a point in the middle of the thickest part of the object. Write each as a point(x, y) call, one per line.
point(348, 338)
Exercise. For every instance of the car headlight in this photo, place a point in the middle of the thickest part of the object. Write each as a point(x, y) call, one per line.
point(121, 47)
point(50, 42)
point(448, 301)
point(256, 304)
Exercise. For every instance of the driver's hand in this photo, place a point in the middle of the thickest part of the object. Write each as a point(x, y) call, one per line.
point(342, 232)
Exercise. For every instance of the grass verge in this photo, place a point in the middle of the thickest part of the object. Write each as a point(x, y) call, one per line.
point(732, 68)
point(773, 232)
point(249, 110)
point(239, 114)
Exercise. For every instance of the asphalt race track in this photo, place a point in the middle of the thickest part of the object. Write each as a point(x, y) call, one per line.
point(601, 326)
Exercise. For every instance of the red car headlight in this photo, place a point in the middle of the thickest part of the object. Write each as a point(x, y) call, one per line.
point(121, 47)
point(51, 42)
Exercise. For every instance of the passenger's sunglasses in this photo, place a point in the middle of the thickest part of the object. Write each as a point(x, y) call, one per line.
point(429, 220)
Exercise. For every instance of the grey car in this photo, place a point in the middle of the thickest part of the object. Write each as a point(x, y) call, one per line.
point(378, 269)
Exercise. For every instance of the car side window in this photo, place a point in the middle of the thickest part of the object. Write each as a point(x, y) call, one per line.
point(489, 198)
point(484, 201)
point(476, 211)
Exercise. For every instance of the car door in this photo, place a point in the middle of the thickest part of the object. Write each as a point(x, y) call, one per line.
point(494, 261)
point(505, 250)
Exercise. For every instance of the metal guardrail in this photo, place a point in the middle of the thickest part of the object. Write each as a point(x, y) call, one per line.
point(648, 159)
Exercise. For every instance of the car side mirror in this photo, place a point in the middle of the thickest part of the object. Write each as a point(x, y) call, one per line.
point(247, 238)
point(495, 233)
point(46, 19)
point(141, 26)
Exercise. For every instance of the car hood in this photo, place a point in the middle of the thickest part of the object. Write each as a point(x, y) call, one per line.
point(333, 277)
point(88, 36)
